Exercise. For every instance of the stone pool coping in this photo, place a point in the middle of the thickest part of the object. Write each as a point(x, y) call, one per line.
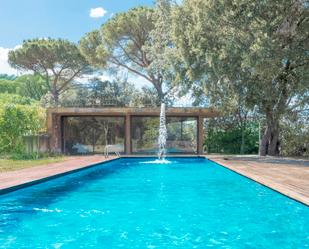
point(13, 180)
point(290, 178)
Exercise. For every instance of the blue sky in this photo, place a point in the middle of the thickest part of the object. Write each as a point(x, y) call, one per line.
point(68, 19)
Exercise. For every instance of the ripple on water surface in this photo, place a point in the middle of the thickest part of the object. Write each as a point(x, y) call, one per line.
point(140, 203)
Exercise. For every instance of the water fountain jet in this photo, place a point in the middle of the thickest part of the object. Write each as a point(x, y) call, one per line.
point(162, 134)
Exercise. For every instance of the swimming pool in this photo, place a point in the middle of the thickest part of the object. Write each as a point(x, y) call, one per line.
point(131, 203)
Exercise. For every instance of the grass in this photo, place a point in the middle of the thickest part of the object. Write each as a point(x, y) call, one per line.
point(11, 164)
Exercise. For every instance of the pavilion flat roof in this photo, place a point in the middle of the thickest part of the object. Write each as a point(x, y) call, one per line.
point(134, 111)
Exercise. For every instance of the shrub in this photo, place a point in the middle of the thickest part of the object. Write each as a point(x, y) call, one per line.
point(24, 117)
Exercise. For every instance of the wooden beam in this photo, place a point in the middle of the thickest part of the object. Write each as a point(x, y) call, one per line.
point(170, 111)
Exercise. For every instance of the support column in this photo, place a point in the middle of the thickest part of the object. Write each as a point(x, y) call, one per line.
point(55, 133)
point(200, 139)
point(128, 135)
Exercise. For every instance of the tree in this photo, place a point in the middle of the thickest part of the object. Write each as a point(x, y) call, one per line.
point(121, 42)
point(7, 86)
point(15, 99)
point(58, 62)
point(28, 85)
point(144, 98)
point(227, 135)
point(31, 85)
point(99, 93)
point(161, 50)
point(295, 134)
point(256, 49)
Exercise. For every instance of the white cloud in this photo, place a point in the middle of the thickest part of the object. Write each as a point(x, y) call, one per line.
point(5, 68)
point(97, 12)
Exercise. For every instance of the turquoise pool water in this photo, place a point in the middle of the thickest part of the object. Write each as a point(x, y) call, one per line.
point(129, 203)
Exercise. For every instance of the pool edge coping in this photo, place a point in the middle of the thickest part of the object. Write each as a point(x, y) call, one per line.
point(281, 192)
point(13, 188)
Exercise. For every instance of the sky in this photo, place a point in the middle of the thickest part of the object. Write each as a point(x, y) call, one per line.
point(67, 19)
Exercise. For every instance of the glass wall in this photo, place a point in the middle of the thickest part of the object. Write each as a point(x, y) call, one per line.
point(181, 131)
point(181, 135)
point(88, 135)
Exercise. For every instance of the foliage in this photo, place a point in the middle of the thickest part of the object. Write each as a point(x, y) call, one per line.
point(98, 93)
point(58, 62)
point(224, 136)
point(21, 155)
point(295, 134)
point(121, 43)
point(246, 58)
point(7, 86)
point(145, 98)
point(19, 116)
point(252, 52)
point(15, 99)
point(120, 93)
point(32, 86)
point(160, 48)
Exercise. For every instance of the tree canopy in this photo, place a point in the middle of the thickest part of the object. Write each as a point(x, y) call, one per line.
point(59, 62)
point(257, 51)
point(121, 42)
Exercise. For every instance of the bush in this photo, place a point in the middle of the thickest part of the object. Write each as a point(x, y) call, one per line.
point(227, 139)
point(294, 136)
point(14, 99)
point(18, 117)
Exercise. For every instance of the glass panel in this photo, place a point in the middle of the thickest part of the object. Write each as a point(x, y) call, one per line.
point(144, 134)
point(84, 135)
point(182, 134)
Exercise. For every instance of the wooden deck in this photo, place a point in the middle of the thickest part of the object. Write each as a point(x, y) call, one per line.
point(287, 176)
point(17, 178)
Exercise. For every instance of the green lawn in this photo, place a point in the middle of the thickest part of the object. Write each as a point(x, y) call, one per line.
point(10, 164)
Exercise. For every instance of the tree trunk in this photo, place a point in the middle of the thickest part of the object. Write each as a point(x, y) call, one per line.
point(242, 145)
point(269, 145)
point(158, 85)
point(264, 142)
point(160, 93)
point(273, 148)
point(56, 97)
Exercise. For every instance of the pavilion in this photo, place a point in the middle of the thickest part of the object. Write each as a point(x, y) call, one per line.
point(125, 130)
